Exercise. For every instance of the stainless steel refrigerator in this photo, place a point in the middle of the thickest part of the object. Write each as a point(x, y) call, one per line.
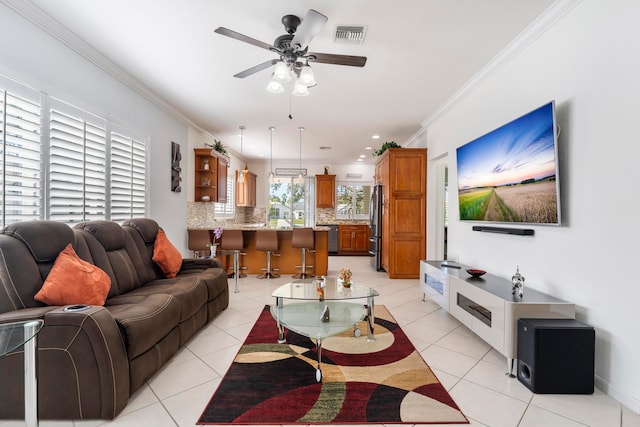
point(375, 239)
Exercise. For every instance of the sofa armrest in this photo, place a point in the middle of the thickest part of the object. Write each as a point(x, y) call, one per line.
point(83, 370)
point(200, 263)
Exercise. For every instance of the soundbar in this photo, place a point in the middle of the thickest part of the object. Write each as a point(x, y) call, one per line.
point(504, 230)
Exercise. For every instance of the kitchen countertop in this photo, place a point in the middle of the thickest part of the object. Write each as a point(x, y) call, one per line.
point(345, 222)
point(254, 227)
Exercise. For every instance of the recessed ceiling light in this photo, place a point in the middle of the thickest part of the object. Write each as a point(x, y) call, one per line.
point(368, 148)
point(362, 156)
point(360, 160)
point(376, 136)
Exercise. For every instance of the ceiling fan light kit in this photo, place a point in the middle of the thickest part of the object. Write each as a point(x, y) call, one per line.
point(275, 86)
point(281, 73)
point(306, 76)
point(293, 51)
point(300, 89)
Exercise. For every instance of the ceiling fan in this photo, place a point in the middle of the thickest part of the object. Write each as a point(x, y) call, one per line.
point(293, 46)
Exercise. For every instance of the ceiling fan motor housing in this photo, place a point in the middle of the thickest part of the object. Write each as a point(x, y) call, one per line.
point(288, 54)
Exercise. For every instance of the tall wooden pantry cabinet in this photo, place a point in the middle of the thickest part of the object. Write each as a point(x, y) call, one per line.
point(403, 175)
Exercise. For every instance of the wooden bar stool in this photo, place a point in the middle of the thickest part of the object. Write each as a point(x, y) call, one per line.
point(303, 238)
point(267, 241)
point(199, 241)
point(233, 240)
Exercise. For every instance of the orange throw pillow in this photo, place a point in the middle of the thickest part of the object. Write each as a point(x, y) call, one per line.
point(166, 255)
point(74, 281)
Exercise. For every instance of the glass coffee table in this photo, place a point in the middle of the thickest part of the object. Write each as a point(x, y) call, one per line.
point(320, 315)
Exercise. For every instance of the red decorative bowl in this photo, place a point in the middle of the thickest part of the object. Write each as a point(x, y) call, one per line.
point(475, 273)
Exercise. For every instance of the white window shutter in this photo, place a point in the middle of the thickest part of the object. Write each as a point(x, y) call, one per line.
point(20, 160)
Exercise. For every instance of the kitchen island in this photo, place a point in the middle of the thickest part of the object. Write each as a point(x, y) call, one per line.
point(255, 260)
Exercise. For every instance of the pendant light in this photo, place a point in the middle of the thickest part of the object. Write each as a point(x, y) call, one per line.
point(241, 174)
point(272, 176)
point(300, 176)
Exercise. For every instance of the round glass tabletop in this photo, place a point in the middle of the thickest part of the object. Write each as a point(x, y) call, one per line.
point(333, 290)
point(15, 334)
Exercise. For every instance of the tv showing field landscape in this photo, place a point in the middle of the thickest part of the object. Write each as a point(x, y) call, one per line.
point(510, 174)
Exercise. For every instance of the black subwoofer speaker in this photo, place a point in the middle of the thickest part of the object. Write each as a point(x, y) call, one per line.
point(556, 356)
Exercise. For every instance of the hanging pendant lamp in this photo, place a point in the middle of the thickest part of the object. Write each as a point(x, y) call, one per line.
point(272, 176)
point(241, 174)
point(300, 176)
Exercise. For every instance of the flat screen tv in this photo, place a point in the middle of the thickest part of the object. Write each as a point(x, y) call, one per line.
point(510, 175)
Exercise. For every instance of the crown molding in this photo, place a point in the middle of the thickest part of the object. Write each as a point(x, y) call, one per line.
point(538, 27)
point(45, 22)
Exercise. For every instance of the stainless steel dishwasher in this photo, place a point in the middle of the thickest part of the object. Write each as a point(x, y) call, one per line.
point(333, 238)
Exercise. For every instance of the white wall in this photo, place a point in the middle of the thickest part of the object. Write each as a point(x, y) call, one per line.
point(589, 62)
point(47, 65)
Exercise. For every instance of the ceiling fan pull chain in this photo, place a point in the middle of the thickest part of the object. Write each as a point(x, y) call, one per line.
point(290, 116)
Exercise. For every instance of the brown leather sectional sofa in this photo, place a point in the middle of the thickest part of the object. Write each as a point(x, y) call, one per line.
point(90, 361)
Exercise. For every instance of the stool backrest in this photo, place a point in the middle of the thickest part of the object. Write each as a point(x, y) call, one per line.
point(198, 240)
point(232, 239)
point(266, 240)
point(303, 238)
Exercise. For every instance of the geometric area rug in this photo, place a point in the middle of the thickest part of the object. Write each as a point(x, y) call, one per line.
point(384, 382)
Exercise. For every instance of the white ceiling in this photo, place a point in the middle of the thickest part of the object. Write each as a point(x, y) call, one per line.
point(420, 52)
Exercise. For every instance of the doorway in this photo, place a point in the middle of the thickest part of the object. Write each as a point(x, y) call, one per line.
point(441, 245)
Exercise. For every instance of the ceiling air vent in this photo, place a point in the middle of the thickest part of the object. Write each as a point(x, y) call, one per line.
point(353, 34)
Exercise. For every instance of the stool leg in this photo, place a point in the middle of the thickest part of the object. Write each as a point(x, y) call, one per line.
point(303, 274)
point(239, 267)
point(235, 269)
point(268, 274)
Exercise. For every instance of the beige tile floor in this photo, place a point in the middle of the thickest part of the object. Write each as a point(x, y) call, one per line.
point(467, 366)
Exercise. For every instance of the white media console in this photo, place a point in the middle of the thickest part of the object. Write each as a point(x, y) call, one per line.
point(486, 306)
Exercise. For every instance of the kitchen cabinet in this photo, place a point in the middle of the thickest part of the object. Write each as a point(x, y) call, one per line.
point(353, 238)
point(403, 175)
point(246, 191)
point(325, 191)
point(210, 176)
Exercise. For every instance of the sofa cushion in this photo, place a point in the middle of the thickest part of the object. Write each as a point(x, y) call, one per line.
point(144, 319)
point(166, 255)
point(44, 239)
point(114, 251)
point(74, 281)
point(190, 292)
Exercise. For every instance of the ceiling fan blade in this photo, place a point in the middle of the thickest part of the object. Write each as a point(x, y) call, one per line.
point(255, 69)
point(329, 58)
point(311, 25)
point(235, 35)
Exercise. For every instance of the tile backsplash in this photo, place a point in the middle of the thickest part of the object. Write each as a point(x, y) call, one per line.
point(202, 215)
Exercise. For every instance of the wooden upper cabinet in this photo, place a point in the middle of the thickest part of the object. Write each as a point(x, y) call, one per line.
point(210, 176)
point(246, 191)
point(325, 191)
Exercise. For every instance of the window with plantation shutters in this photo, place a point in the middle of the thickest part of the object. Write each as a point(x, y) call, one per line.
point(128, 176)
point(228, 209)
point(77, 168)
point(61, 163)
point(20, 157)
